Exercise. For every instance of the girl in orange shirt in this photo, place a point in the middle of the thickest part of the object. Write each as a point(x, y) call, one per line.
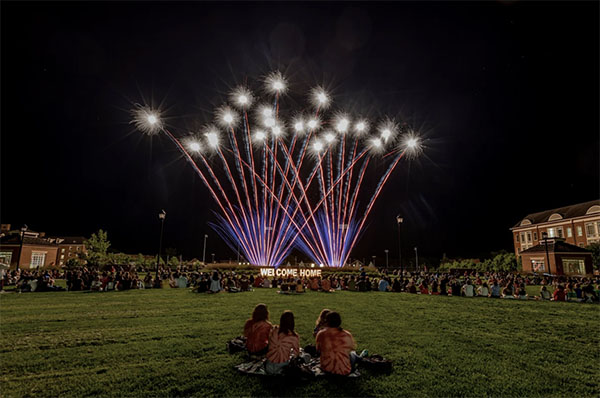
point(336, 346)
point(257, 330)
point(283, 344)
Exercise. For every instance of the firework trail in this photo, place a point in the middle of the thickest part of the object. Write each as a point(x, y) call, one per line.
point(263, 177)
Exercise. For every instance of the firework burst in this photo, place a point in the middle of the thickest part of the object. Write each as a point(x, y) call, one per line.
point(279, 184)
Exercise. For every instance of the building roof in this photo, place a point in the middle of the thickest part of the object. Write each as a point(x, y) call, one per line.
point(578, 210)
point(73, 240)
point(15, 239)
point(556, 246)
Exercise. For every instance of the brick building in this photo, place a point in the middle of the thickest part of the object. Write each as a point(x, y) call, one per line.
point(578, 225)
point(564, 259)
point(38, 250)
point(567, 230)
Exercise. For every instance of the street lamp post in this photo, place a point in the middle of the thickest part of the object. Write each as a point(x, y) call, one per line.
point(387, 264)
point(545, 239)
point(373, 260)
point(213, 257)
point(162, 215)
point(204, 251)
point(416, 258)
point(23, 230)
point(399, 221)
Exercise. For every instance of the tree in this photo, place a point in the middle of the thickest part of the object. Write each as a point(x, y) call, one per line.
point(96, 246)
point(595, 249)
point(174, 262)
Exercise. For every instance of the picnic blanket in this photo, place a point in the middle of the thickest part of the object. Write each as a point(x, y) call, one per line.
point(305, 365)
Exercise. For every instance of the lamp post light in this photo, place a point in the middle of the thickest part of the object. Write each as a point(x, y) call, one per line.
point(387, 264)
point(545, 239)
point(162, 215)
point(24, 229)
point(417, 258)
point(204, 250)
point(399, 221)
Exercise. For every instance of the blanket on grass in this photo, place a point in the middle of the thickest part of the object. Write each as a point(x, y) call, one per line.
point(305, 365)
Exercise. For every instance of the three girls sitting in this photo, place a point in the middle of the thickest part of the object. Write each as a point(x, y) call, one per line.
point(281, 343)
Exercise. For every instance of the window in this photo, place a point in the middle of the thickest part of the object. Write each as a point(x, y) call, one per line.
point(579, 231)
point(569, 232)
point(529, 236)
point(534, 235)
point(62, 250)
point(537, 265)
point(517, 237)
point(555, 232)
point(574, 266)
point(62, 256)
point(37, 259)
point(5, 257)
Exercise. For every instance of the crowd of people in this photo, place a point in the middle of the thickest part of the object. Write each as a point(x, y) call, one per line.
point(466, 284)
point(280, 343)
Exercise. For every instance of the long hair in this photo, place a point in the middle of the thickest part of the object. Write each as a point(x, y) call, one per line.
point(334, 320)
point(260, 313)
point(286, 323)
point(321, 318)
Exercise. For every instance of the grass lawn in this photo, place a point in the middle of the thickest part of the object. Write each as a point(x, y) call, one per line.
point(172, 342)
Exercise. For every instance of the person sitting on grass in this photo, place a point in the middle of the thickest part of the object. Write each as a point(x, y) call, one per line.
point(215, 283)
point(283, 344)
point(314, 284)
point(483, 290)
point(352, 284)
point(544, 293)
point(321, 322)
point(559, 293)
point(396, 287)
point(336, 346)
point(325, 285)
point(383, 285)
point(257, 329)
point(423, 287)
point(522, 293)
point(468, 290)
point(495, 291)
point(266, 283)
point(508, 292)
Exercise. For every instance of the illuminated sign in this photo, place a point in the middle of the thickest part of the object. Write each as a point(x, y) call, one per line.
point(294, 272)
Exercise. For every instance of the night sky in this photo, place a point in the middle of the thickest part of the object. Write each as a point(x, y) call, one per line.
point(504, 93)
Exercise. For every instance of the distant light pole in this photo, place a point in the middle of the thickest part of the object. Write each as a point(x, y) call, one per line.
point(24, 229)
point(416, 258)
point(373, 260)
point(545, 239)
point(387, 264)
point(399, 220)
point(213, 257)
point(162, 215)
point(204, 251)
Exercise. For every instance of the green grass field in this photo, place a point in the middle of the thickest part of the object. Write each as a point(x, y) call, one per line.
point(171, 342)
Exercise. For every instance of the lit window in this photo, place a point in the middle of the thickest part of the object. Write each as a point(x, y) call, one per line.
point(551, 232)
point(5, 257)
point(569, 232)
point(579, 231)
point(37, 259)
point(590, 230)
point(574, 266)
point(62, 250)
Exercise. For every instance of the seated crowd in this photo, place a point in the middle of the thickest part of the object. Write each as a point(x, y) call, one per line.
point(280, 343)
point(468, 284)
